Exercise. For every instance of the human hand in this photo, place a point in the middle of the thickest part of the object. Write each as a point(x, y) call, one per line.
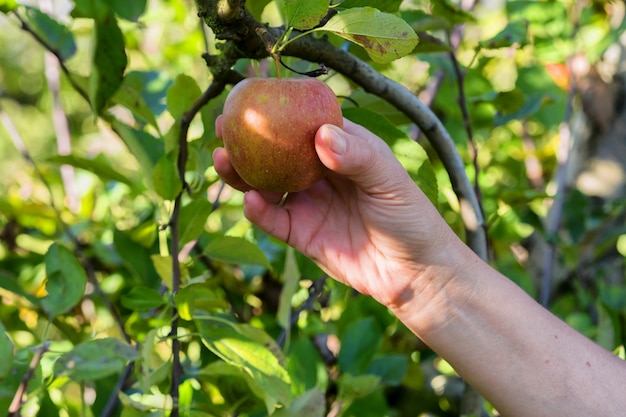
point(366, 223)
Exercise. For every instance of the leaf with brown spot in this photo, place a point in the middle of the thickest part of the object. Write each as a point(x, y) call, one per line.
point(385, 37)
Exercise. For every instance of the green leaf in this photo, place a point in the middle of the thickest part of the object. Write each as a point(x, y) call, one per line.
point(377, 105)
point(66, 281)
point(182, 95)
point(100, 166)
point(410, 154)
point(142, 299)
point(384, 36)
point(305, 14)
point(515, 32)
point(153, 368)
point(109, 62)
point(130, 95)
point(423, 22)
point(352, 387)
point(6, 352)
point(193, 217)
point(303, 364)
point(12, 380)
point(508, 102)
point(165, 178)
point(95, 359)
point(251, 350)
point(430, 44)
point(136, 258)
point(391, 368)
point(129, 10)
point(7, 6)
point(94, 9)
point(389, 6)
point(505, 102)
point(147, 149)
point(359, 344)
point(291, 278)
point(57, 36)
point(256, 7)
point(163, 267)
point(450, 12)
point(533, 103)
point(198, 297)
point(235, 250)
point(310, 404)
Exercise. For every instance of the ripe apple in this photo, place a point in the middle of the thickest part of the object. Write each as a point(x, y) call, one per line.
point(269, 126)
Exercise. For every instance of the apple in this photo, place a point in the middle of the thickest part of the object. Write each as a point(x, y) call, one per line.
point(268, 129)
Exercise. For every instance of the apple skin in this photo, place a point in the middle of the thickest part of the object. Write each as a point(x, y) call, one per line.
point(268, 129)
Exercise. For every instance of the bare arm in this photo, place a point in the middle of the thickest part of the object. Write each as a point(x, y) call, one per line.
point(360, 225)
point(523, 359)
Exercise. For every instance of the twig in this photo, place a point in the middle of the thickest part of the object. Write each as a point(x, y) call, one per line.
point(26, 27)
point(16, 403)
point(467, 123)
point(111, 403)
point(215, 89)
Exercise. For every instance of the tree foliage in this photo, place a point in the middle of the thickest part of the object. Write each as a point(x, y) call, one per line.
point(132, 285)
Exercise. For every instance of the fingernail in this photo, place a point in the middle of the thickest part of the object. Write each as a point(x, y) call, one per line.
point(336, 140)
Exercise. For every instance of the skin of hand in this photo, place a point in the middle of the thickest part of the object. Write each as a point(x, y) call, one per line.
point(369, 226)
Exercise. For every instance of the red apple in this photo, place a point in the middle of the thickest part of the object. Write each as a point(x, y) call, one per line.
point(268, 129)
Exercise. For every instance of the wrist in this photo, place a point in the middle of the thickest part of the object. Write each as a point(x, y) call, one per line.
point(438, 293)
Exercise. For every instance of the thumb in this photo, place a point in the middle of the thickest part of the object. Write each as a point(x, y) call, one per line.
point(359, 155)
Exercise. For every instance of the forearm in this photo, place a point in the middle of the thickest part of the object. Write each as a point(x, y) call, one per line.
point(523, 359)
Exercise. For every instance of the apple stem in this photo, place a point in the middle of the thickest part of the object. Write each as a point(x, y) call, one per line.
point(276, 58)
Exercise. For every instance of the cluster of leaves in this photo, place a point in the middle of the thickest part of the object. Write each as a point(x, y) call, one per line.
point(134, 286)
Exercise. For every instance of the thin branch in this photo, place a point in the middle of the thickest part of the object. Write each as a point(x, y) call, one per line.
point(214, 90)
point(18, 398)
point(467, 123)
point(26, 27)
point(111, 403)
